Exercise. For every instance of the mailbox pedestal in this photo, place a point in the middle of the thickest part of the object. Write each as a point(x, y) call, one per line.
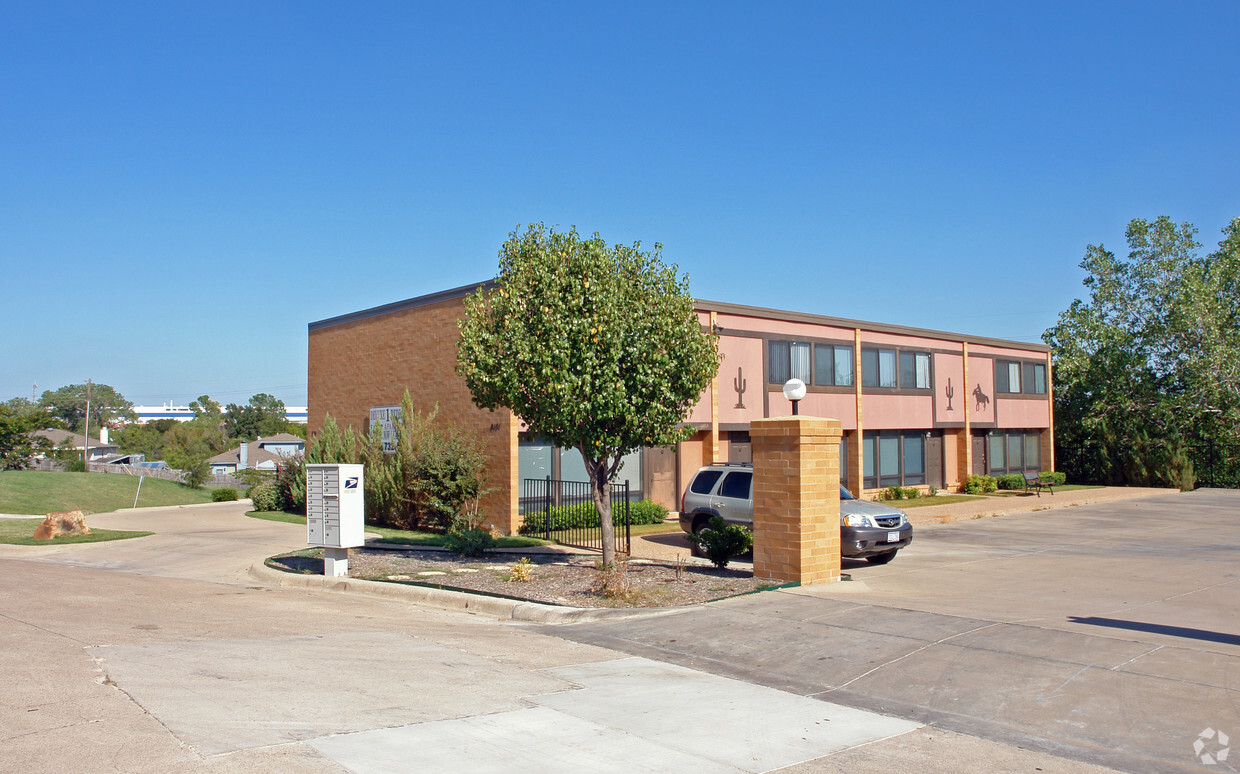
point(335, 513)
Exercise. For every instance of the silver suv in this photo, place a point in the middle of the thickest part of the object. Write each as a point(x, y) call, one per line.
point(868, 530)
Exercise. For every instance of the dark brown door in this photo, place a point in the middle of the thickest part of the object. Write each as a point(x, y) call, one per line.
point(979, 455)
point(934, 460)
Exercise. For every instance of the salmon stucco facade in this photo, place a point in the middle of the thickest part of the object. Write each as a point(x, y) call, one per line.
point(917, 408)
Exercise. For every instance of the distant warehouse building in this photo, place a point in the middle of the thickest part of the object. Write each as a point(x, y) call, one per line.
point(919, 408)
point(299, 414)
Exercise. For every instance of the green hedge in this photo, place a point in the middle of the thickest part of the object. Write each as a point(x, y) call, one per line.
point(583, 515)
point(266, 497)
point(1053, 477)
point(224, 494)
point(1011, 481)
point(976, 484)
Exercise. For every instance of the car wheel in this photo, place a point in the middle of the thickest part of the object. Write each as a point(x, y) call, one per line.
point(881, 558)
point(700, 525)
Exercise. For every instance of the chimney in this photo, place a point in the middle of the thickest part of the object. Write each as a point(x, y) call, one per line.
point(103, 434)
point(243, 460)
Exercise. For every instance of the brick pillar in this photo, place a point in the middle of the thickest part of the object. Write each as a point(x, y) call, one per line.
point(796, 499)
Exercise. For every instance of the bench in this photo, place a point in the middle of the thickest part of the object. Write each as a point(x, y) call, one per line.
point(1034, 481)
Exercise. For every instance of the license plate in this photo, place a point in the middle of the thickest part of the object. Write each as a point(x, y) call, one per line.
point(893, 537)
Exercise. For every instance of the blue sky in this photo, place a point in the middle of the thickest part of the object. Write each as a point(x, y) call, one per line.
point(183, 187)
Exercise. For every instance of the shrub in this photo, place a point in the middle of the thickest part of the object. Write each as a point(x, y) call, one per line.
point(265, 497)
point(197, 474)
point(75, 465)
point(976, 484)
point(645, 512)
point(933, 491)
point(899, 493)
point(522, 571)
point(224, 494)
point(291, 485)
point(1011, 481)
point(1053, 477)
point(722, 541)
point(469, 542)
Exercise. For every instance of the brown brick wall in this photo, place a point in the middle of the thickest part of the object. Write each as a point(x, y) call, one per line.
point(369, 362)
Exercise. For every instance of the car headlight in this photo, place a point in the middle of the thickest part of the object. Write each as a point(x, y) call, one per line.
point(856, 520)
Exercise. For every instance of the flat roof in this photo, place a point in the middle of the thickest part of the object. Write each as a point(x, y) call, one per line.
point(701, 305)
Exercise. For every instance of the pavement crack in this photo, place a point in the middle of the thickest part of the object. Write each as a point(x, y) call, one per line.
point(44, 629)
point(913, 652)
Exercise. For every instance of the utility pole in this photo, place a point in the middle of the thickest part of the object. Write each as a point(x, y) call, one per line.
point(34, 391)
point(86, 432)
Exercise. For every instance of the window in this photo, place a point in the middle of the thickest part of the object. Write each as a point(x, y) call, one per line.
point(705, 481)
point(736, 485)
point(1007, 376)
point(833, 365)
point(1014, 451)
point(915, 370)
point(844, 460)
point(878, 368)
point(1034, 375)
point(789, 359)
point(898, 457)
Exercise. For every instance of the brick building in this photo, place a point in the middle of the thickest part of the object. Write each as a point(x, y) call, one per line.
point(918, 408)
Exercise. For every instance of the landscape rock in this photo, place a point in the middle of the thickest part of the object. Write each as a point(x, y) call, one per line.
point(64, 523)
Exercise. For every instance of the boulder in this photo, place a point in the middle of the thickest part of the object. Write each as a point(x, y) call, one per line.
point(65, 523)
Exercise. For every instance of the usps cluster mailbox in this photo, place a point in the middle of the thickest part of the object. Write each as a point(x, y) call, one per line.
point(335, 505)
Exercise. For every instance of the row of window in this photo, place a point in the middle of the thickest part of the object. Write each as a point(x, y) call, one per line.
point(1020, 377)
point(893, 458)
point(831, 365)
point(1014, 451)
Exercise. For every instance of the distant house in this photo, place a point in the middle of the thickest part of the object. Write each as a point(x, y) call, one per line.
point(98, 448)
point(263, 454)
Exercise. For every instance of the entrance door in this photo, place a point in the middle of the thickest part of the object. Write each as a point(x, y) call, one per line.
point(979, 455)
point(659, 473)
point(934, 460)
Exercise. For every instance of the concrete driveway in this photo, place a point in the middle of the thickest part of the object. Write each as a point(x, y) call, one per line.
point(1105, 633)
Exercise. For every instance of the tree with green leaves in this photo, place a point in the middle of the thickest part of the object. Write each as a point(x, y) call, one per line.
point(69, 405)
point(1147, 368)
point(264, 416)
point(206, 410)
point(17, 445)
point(595, 347)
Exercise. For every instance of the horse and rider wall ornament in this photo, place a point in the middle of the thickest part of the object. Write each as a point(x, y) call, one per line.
point(981, 398)
point(739, 384)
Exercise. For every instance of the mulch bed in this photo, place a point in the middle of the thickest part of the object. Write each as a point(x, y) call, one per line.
point(574, 581)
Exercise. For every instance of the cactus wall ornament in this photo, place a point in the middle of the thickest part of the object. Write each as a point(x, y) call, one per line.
point(739, 384)
point(950, 394)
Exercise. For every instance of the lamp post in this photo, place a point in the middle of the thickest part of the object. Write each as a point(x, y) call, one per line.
point(794, 390)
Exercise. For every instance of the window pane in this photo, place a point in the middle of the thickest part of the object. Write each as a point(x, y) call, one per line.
point(886, 368)
point(823, 362)
point(1027, 377)
point(844, 366)
point(1001, 376)
point(533, 460)
point(1039, 379)
point(1014, 377)
point(705, 481)
point(889, 455)
point(572, 467)
point(997, 456)
point(908, 370)
point(800, 363)
point(1015, 447)
point(630, 470)
point(914, 458)
point(780, 365)
point(736, 485)
point(1033, 451)
point(923, 371)
point(844, 461)
point(869, 453)
point(869, 368)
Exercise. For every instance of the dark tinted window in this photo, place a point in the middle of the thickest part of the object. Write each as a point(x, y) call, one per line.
point(705, 481)
point(736, 485)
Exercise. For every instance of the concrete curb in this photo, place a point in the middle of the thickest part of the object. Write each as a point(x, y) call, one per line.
point(502, 609)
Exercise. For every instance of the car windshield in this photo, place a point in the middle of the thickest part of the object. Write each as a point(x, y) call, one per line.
point(846, 495)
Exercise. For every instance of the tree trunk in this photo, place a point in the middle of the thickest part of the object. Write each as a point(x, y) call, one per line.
point(600, 487)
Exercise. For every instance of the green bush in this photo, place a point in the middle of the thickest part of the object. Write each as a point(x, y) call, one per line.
point(1053, 477)
point(645, 512)
point(224, 494)
point(265, 497)
point(1011, 481)
point(197, 473)
point(722, 541)
point(899, 493)
point(976, 484)
point(469, 542)
point(290, 485)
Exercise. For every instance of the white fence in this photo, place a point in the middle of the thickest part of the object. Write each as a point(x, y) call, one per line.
point(168, 474)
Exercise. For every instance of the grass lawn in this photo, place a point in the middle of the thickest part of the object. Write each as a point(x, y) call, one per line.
point(17, 532)
point(1058, 488)
point(917, 502)
point(47, 491)
point(404, 537)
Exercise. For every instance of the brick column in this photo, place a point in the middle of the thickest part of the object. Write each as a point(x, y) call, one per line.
point(796, 499)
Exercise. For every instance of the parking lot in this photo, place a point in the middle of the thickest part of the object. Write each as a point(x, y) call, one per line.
point(1106, 633)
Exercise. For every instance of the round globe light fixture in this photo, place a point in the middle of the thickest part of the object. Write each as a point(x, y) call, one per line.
point(794, 390)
